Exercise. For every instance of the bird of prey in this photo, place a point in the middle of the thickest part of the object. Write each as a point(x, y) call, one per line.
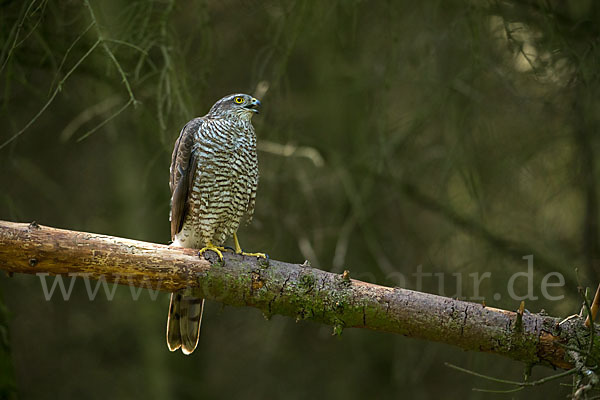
point(214, 176)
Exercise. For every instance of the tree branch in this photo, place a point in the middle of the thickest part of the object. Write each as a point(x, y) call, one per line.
point(294, 290)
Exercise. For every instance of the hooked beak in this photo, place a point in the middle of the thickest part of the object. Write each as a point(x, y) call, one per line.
point(254, 105)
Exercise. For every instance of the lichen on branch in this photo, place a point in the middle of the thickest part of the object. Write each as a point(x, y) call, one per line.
point(297, 291)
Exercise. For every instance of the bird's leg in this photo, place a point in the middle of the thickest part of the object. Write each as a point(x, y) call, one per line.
point(238, 249)
point(210, 246)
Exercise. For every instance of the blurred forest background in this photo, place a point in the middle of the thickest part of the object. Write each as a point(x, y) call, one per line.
point(458, 136)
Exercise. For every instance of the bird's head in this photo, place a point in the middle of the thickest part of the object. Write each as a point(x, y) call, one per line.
point(238, 106)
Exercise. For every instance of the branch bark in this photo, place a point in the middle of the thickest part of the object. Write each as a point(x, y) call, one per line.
point(295, 290)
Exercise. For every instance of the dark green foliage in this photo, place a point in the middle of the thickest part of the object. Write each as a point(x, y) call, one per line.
point(7, 376)
point(456, 136)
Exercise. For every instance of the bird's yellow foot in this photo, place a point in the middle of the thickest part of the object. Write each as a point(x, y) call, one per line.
point(238, 250)
point(214, 248)
point(260, 255)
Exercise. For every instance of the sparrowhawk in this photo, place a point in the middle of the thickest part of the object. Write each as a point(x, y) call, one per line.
point(214, 175)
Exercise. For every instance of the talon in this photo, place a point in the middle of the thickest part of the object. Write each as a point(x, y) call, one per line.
point(214, 248)
point(258, 255)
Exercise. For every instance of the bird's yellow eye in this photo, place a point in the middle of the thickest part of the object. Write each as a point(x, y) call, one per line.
point(238, 100)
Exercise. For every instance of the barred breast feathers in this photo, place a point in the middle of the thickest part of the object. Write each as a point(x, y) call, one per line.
point(221, 174)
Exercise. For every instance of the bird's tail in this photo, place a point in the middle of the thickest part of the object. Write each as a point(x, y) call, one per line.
point(183, 323)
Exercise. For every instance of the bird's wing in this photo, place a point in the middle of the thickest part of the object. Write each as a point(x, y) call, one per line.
point(183, 169)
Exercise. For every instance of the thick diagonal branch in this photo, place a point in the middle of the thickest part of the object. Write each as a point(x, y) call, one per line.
point(293, 290)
